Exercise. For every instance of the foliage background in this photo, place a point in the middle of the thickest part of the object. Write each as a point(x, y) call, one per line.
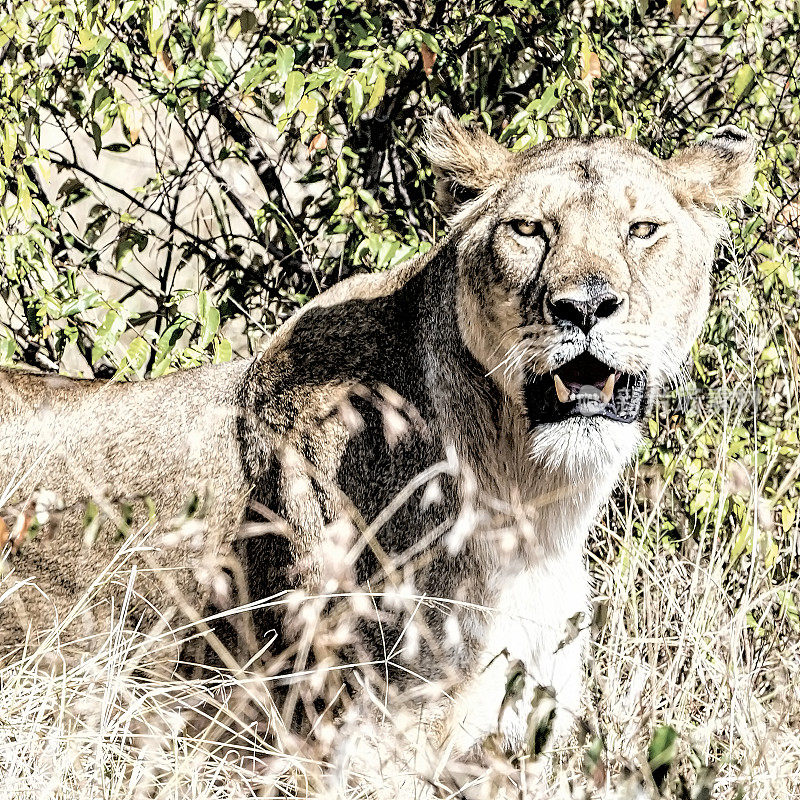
point(177, 178)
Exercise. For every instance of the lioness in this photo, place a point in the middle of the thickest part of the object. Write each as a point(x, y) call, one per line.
point(487, 394)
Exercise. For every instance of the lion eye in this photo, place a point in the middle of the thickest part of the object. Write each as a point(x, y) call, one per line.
point(523, 227)
point(643, 230)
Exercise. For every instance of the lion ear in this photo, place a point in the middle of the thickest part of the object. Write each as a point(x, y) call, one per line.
point(718, 171)
point(466, 161)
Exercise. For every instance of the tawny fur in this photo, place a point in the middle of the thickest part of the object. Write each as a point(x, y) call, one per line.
point(381, 378)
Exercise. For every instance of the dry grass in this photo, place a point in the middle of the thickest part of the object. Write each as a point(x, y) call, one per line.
point(679, 648)
point(675, 644)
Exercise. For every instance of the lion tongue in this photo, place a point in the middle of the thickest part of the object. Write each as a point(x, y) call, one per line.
point(565, 395)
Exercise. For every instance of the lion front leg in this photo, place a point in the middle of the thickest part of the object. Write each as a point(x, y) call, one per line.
point(524, 691)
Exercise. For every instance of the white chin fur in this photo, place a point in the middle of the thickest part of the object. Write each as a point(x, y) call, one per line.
point(582, 447)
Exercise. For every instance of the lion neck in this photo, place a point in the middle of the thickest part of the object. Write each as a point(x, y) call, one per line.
point(533, 512)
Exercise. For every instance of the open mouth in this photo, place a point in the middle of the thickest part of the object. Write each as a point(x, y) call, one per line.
point(585, 387)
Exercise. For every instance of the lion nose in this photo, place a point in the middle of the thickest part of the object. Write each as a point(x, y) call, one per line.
point(583, 309)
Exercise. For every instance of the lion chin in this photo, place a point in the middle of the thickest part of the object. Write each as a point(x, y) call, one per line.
point(584, 447)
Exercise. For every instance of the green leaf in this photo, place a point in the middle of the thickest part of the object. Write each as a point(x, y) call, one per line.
point(248, 21)
point(88, 298)
point(168, 340)
point(128, 9)
point(123, 252)
point(72, 190)
point(294, 90)
point(209, 319)
point(787, 517)
point(137, 353)
point(356, 92)
point(661, 752)
point(429, 41)
point(24, 196)
point(548, 102)
point(98, 219)
point(107, 335)
point(7, 349)
point(210, 327)
point(97, 136)
point(284, 61)
point(86, 40)
point(9, 143)
point(223, 352)
point(378, 90)
point(161, 367)
point(206, 32)
point(744, 81)
point(202, 304)
point(155, 28)
point(254, 76)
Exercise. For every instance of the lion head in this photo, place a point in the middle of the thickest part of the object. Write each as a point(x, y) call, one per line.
point(583, 273)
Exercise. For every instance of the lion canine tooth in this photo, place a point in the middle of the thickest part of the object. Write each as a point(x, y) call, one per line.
point(561, 390)
point(607, 392)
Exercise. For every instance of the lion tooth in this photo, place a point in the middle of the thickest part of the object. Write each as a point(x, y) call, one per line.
point(607, 392)
point(561, 390)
